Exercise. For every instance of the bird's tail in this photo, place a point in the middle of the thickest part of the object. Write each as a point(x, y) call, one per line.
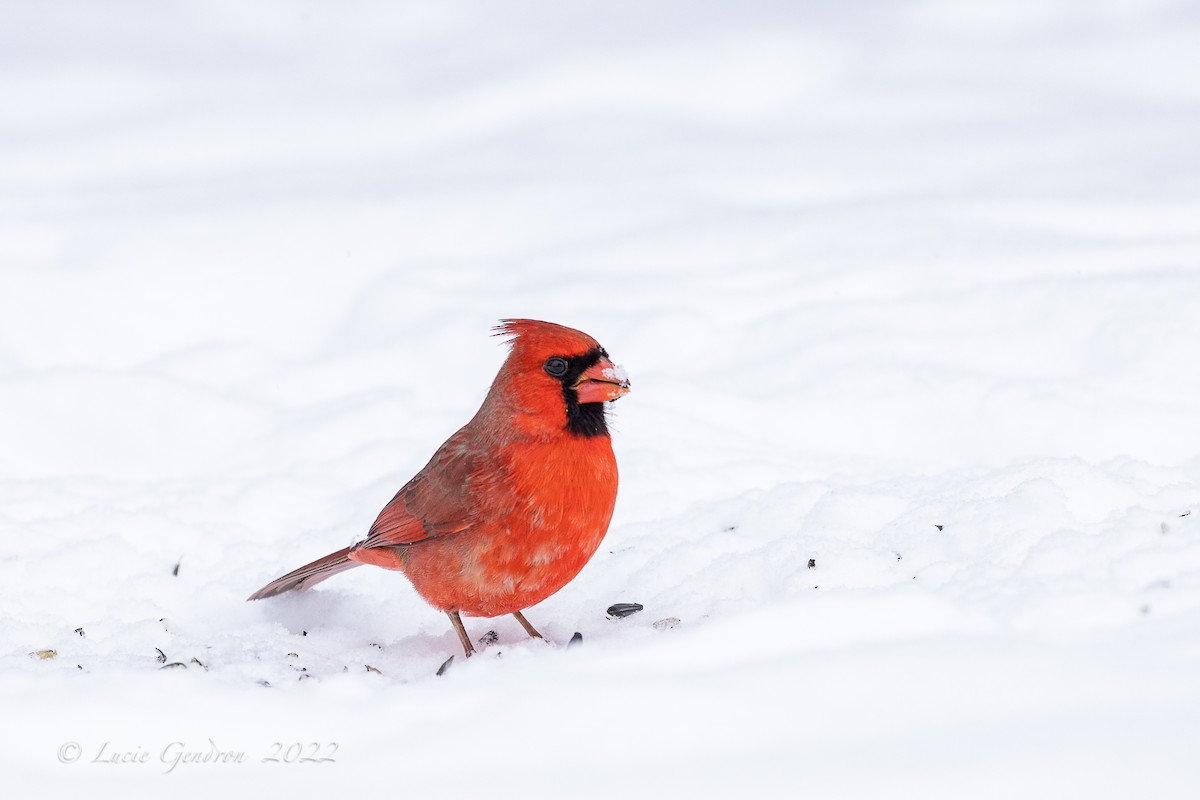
point(308, 575)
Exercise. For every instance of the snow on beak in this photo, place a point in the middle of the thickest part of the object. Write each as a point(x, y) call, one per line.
point(602, 382)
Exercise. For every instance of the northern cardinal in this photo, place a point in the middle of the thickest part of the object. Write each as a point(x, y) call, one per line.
point(514, 504)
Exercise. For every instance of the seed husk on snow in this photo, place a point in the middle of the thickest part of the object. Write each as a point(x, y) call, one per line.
point(622, 610)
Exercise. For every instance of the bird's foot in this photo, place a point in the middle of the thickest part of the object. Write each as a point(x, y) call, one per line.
point(457, 622)
point(532, 631)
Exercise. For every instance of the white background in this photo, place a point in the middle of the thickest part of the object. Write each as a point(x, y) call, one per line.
point(874, 268)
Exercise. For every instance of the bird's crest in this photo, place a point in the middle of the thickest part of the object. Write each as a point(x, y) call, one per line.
point(536, 334)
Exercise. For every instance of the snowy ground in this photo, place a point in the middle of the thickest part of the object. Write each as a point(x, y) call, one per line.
point(911, 290)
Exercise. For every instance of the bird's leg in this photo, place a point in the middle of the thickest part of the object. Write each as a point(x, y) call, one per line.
point(456, 621)
point(532, 631)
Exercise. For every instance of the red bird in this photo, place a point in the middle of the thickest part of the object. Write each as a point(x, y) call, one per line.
point(513, 505)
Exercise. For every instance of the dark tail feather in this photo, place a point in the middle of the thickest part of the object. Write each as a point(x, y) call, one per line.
point(308, 575)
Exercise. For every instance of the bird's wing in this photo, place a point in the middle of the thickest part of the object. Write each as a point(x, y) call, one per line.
point(436, 502)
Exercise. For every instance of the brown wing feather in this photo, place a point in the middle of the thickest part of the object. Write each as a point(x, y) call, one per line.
point(436, 502)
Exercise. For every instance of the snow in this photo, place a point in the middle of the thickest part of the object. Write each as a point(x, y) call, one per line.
point(907, 292)
point(617, 374)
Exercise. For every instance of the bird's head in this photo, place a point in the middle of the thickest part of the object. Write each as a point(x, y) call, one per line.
point(559, 376)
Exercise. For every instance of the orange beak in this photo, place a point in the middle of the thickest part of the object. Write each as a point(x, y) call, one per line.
point(602, 382)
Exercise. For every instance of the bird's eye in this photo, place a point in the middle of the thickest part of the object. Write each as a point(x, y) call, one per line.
point(556, 367)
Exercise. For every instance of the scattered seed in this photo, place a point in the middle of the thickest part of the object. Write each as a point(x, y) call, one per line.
point(491, 637)
point(304, 633)
point(939, 527)
point(666, 624)
point(303, 675)
point(174, 664)
point(375, 644)
point(175, 569)
point(44, 655)
point(576, 640)
point(264, 683)
point(162, 657)
point(445, 666)
point(1184, 514)
point(79, 631)
point(199, 663)
point(293, 655)
point(812, 563)
point(621, 610)
point(372, 669)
